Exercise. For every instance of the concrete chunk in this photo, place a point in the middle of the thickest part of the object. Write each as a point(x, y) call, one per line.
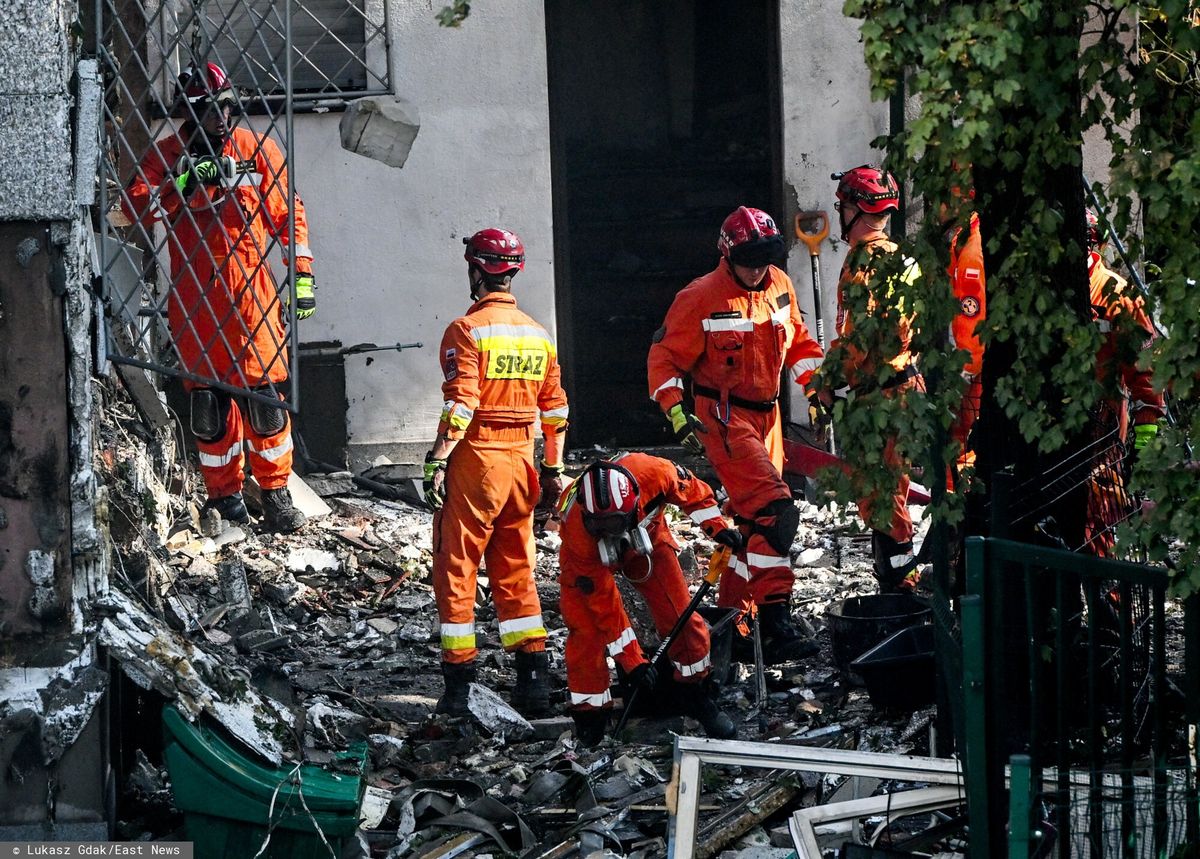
point(491, 711)
point(380, 127)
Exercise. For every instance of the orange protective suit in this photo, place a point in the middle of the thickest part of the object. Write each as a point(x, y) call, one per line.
point(862, 370)
point(501, 376)
point(1116, 312)
point(969, 283)
point(223, 307)
point(734, 343)
point(597, 625)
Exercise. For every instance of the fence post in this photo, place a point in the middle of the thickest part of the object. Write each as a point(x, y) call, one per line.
point(975, 718)
point(1019, 805)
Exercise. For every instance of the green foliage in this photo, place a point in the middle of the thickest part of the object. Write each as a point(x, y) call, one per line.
point(454, 14)
point(1008, 85)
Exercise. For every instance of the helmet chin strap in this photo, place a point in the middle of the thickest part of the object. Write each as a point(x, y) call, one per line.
point(742, 283)
point(846, 228)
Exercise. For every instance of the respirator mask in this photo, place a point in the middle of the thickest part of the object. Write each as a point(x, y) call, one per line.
point(613, 548)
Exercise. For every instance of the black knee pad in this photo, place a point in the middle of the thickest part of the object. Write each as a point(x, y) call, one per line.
point(265, 419)
point(210, 413)
point(780, 533)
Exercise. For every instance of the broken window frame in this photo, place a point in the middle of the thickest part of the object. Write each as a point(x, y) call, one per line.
point(683, 797)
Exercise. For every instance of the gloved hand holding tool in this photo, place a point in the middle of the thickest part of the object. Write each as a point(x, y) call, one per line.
point(205, 170)
point(717, 565)
point(685, 427)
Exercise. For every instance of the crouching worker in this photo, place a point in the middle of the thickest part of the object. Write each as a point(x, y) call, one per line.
point(614, 523)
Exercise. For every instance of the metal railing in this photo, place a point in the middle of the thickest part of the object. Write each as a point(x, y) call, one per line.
point(1065, 666)
point(197, 277)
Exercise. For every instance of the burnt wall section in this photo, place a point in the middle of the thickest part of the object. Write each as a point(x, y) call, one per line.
point(35, 551)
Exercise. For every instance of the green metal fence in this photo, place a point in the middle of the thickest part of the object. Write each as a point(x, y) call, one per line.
point(1074, 675)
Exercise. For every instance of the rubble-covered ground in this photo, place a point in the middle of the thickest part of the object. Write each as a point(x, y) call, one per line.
point(337, 624)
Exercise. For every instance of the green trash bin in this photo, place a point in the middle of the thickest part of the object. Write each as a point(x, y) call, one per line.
point(225, 796)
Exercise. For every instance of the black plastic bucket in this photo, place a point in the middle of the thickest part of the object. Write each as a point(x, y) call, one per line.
point(721, 632)
point(899, 671)
point(859, 623)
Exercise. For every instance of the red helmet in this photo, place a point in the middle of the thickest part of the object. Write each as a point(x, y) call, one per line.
point(495, 251)
point(608, 498)
point(1095, 233)
point(868, 187)
point(749, 237)
point(212, 83)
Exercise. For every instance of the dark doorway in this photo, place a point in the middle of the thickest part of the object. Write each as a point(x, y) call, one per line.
point(664, 118)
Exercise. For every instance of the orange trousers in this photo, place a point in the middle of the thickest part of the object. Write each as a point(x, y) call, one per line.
point(598, 627)
point(491, 490)
point(221, 462)
point(747, 453)
point(900, 526)
point(960, 430)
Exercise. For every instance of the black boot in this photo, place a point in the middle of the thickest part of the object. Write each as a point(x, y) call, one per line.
point(781, 640)
point(458, 676)
point(894, 564)
point(279, 512)
point(699, 704)
point(531, 695)
point(590, 726)
point(232, 508)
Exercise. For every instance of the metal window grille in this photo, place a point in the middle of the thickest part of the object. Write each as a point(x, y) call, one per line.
point(338, 47)
point(195, 271)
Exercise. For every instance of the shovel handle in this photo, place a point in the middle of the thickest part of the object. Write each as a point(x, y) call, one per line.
point(718, 564)
point(820, 220)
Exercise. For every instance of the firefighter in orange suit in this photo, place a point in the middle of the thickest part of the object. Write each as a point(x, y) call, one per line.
point(969, 284)
point(501, 378)
point(733, 332)
point(866, 197)
point(1122, 319)
point(222, 192)
point(615, 523)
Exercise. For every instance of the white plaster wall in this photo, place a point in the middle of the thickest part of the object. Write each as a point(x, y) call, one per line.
point(388, 242)
point(829, 122)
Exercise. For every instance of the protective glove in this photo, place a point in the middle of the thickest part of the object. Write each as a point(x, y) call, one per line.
point(306, 299)
point(205, 170)
point(551, 478)
point(1143, 434)
point(434, 484)
point(730, 537)
point(644, 677)
point(685, 427)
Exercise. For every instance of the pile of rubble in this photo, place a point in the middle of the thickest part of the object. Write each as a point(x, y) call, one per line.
point(302, 645)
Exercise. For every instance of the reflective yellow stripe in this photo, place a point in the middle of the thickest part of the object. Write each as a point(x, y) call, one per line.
point(554, 417)
point(458, 636)
point(457, 415)
point(502, 336)
point(521, 629)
